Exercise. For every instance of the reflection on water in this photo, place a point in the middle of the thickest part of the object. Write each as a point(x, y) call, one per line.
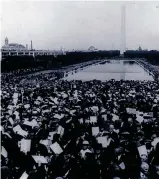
point(129, 62)
point(126, 70)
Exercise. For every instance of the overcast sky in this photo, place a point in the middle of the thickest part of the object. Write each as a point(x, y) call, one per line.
point(79, 25)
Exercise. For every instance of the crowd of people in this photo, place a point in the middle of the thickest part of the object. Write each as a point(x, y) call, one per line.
point(25, 71)
point(57, 129)
point(150, 68)
point(30, 81)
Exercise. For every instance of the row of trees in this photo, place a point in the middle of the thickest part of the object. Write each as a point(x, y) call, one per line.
point(152, 56)
point(48, 62)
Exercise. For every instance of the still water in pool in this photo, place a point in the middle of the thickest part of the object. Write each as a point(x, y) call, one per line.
point(117, 69)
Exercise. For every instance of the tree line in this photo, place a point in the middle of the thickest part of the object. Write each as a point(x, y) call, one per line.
point(151, 56)
point(11, 63)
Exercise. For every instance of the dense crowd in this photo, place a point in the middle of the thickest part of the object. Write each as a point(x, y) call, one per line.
point(29, 81)
point(20, 72)
point(52, 129)
point(150, 68)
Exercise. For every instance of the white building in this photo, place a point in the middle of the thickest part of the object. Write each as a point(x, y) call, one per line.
point(12, 46)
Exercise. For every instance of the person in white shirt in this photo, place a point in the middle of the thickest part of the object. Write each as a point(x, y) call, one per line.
point(85, 149)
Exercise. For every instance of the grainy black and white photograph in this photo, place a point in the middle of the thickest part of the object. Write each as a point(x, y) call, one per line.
point(79, 89)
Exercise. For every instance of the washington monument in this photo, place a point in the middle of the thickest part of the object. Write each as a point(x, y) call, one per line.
point(123, 31)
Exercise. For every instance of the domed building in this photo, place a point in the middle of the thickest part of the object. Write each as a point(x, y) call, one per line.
point(92, 49)
point(12, 46)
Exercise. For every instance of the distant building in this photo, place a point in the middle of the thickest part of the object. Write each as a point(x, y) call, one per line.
point(12, 46)
point(26, 46)
point(139, 49)
point(92, 49)
point(15, 49)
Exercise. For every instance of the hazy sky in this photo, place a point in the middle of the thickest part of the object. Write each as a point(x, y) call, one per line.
point(78, 25)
